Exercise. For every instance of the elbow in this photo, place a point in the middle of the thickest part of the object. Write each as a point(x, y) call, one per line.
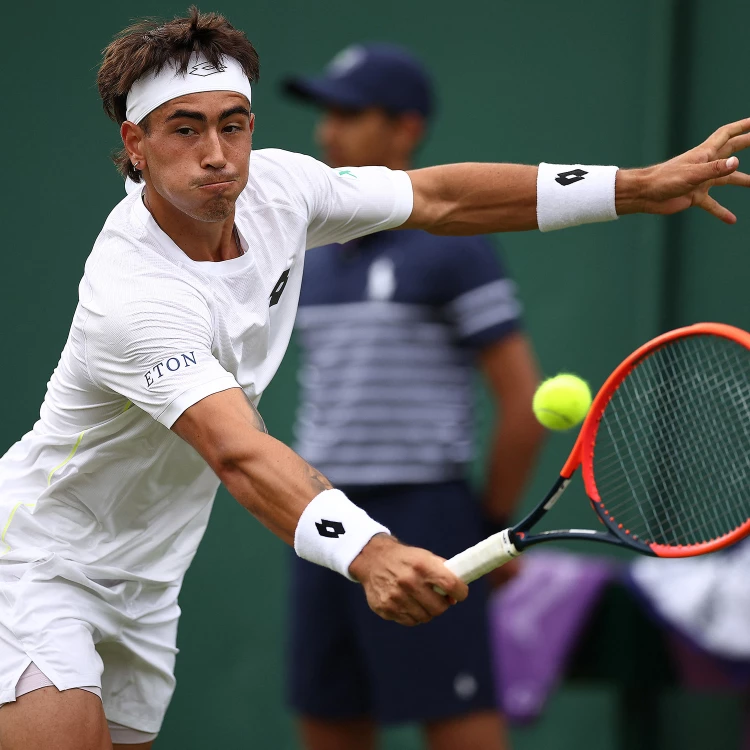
point(444, 219)
point(433, 213)
point(231, 462)
point(226, 468)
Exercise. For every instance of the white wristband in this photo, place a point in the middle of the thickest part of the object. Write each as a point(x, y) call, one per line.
point(571, 194)
point(332, 531)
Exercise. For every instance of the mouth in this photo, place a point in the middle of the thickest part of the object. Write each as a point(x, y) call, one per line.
point(216, 187)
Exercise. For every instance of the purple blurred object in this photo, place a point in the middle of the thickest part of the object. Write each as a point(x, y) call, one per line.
point(535, 622)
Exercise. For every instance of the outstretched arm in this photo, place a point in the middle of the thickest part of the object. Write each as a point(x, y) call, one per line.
point(480, 198)
point(276, 486)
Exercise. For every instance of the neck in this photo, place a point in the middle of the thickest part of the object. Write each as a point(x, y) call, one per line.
point(398, 163)
point(199, 240)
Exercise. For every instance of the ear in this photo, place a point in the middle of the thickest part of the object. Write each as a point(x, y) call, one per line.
point(411, 131)
point(132, 138)
point(252, 122)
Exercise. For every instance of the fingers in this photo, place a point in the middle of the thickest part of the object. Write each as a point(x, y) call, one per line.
point(719, 139)
point(449, 584)
point(402, 585)
point(733, 145)
point(716, 209)
point(712, 170)
point(736, 178)
point(410, 611)
point(414, 604)
point(422, 601)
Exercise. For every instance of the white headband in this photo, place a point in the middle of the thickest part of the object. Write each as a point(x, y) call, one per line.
point(154, 89)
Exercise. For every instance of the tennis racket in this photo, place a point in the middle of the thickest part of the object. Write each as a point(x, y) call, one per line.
point(664, 452)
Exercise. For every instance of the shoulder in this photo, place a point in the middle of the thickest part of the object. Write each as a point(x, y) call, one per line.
point(283, 179)
point(277, 165)
point(125, 279)
point(288, 161)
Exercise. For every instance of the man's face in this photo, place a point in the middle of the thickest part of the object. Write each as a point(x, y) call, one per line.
point(197, 152)
point(358, 138)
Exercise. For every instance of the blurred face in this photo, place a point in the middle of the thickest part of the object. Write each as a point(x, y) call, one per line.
point(369, 137)
point(196, 152)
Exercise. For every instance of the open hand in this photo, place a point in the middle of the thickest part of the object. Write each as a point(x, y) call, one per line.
point(684, 181)
point(399, 581)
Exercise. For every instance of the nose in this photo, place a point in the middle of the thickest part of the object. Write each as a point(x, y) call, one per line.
point(213, 157)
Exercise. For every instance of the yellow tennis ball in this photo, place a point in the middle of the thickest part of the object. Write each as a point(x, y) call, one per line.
point(562, 402)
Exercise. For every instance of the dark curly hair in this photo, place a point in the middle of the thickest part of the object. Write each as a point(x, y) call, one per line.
point(151, 44)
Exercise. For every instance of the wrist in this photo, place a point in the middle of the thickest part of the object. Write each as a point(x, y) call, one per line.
point(332, 531)
point(568, 195)
point(362, 563)
point(629, 191)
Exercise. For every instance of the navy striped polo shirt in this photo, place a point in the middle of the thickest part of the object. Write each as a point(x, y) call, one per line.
point(389, 326)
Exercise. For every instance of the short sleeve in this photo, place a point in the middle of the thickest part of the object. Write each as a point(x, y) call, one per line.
point(154, 348)
point(483, 306)
point(349, 202)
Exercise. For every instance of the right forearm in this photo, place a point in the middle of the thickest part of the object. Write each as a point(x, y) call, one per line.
point(273, 483)
point(298, 504)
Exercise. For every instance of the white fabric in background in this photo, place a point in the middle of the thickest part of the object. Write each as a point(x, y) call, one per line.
point(706, 598)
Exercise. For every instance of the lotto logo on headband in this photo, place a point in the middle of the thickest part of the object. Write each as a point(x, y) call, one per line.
point(204, 69)
point(155, 88)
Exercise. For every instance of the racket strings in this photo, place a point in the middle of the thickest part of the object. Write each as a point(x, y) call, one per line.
point(699, 514)
point(662, 469)
point(671, 454)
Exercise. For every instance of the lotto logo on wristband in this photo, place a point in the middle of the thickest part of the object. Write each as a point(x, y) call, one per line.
point(568, 178)
point(331, 529)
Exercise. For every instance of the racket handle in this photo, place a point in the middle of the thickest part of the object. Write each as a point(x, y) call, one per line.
point(491, 553)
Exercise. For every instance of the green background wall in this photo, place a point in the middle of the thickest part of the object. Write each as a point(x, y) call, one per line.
point(595, 81)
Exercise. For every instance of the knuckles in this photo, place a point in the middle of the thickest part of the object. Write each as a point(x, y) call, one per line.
point(405, 594)
point(408, 581)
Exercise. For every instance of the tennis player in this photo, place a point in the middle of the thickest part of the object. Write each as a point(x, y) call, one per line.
point(185, 310)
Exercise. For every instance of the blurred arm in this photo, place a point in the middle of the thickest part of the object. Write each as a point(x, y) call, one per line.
point(511, 372)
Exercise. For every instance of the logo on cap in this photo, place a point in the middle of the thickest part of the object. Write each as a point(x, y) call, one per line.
point(346, 60)
point(204, 69)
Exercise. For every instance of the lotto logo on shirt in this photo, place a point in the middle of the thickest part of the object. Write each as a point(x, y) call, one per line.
point(166, 366)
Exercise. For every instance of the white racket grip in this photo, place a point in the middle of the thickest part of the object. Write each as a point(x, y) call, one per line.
point(491, 553)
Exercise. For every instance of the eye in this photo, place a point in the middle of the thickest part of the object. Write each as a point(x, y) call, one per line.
point(184, 130)
point(232, 128)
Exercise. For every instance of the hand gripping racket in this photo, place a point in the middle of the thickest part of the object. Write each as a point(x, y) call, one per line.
point(664, 453)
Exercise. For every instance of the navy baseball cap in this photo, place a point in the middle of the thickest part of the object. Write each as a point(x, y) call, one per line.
point(369, 75)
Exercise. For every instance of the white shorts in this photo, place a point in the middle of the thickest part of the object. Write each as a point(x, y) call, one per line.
point(118, 636)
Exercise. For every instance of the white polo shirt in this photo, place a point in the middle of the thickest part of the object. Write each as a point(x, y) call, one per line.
point(101, 480)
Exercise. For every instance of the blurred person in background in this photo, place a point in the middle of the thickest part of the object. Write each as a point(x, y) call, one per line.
point(392, 328)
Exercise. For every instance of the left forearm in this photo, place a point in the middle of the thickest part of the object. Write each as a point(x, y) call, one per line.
point(466, 199)
point(472, 198)
point(511, 461)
